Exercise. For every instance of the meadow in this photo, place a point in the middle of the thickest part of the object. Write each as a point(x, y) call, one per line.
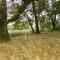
point(43, 46)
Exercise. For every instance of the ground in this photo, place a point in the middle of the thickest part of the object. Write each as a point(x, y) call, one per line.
point(44, 46)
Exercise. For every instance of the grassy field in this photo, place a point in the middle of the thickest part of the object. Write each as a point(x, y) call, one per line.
point(44, 46)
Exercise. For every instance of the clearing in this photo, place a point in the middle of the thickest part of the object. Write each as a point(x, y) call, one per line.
point(45, 46)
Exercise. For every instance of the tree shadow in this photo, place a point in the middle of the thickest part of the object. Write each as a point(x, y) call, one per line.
point(5, 41)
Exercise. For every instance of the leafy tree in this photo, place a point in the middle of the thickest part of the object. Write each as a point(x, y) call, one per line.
point(38, 6)
point(53, 11)
point(36, 19)
point(21, 9)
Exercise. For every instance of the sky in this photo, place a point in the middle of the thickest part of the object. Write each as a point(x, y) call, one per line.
point(9, 5)
point(19, 1)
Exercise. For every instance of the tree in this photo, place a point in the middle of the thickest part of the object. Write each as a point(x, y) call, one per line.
point(3, 21)
point(36, 19)
point(55, 9)
point(43, 5)
point(21, 9)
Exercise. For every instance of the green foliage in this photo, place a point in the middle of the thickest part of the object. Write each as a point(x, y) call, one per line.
point(41, 5)
point(21, 25)
point(58, 26)
point(45, 24)
point(58, 6)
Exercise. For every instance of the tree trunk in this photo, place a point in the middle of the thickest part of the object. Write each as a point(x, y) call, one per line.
point(31, 25)
point(3, 21)
point(36, 19)
point(3, 31)
point(54, 21)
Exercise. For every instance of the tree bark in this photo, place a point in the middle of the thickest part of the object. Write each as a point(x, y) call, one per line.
point(31, 25)
point(54, 21)
point(3, 21)
point(36, 19)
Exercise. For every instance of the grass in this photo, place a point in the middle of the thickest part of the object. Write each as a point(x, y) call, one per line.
point(44, 46)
